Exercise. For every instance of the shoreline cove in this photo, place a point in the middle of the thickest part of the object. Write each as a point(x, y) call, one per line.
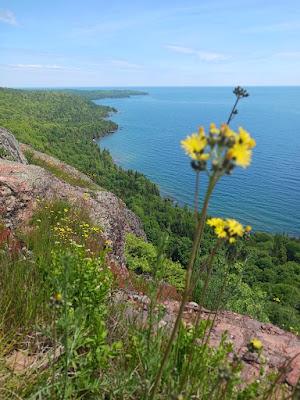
point(267, 210)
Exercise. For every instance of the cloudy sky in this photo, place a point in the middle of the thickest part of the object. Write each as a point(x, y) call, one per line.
point(149, 43)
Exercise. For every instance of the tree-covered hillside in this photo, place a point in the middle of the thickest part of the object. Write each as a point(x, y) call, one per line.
point(64, 125)
point(96, 94)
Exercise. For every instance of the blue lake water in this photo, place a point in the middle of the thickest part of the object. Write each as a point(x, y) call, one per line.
point(266, 195)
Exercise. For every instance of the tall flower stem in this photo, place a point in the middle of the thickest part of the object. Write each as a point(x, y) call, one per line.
point(197, 240)
point(240, 94)
point(196, 197)
point(216, 309)
point(232, 113)
point(206, 282)
point(203, 294)
point(206, 335)
point(154, 292)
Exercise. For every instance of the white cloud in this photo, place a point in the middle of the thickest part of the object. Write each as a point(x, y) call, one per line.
point(123, 64)
point(116, 64)
point(202, 55)
point(112, 64)
point(279, 27)
point(8, 17)
point(48, 67)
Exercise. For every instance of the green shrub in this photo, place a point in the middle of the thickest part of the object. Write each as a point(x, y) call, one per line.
point(236, 295)
point(141, 257)
point(293, 250)
point(284, 316)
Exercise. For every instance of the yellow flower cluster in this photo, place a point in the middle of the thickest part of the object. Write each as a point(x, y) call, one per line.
point(63, 232)
point(195, 144)
point(241, 151)
point(87, 230)
point(66, 231)
point(225, 147)
point(228, 229)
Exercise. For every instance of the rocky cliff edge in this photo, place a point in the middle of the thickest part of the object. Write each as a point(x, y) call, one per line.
point(22, 184)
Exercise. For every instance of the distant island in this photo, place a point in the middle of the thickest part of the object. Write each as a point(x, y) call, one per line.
point(91, 94)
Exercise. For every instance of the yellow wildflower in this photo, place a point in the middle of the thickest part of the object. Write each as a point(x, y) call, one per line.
point(219, 225)
point(227, 132)
point(214, 221)
point(195, 144)
point(201, 132)
point(213, 129)
point(248, 228)
point(58, 297)
point(255, 344)
point(241, 154)
point(220, 231)
point(234, 227)
point(228, 229)
point(245, 138)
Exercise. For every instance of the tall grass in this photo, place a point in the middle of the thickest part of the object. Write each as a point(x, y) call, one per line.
point(61, 288)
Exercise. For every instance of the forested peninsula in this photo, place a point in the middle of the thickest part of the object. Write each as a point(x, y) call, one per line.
point(264, 283)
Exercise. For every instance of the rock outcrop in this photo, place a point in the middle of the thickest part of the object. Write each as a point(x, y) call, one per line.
point(21, 185)
point(9, 147)
point(281, 350)
point(54, 162)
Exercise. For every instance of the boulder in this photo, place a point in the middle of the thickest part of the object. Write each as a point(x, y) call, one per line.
point(9, 147)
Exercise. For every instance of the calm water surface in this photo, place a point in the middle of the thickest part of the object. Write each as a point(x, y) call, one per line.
point(266, 195)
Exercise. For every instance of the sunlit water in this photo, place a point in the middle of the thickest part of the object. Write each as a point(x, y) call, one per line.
point(266, 195)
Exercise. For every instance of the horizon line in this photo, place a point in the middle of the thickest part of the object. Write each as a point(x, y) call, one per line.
point(140, 86)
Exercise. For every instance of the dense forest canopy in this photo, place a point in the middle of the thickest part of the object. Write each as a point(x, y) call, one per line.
point(265, 283)
point(96, 94)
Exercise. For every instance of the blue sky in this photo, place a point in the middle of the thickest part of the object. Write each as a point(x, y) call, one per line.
point(149, 43)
